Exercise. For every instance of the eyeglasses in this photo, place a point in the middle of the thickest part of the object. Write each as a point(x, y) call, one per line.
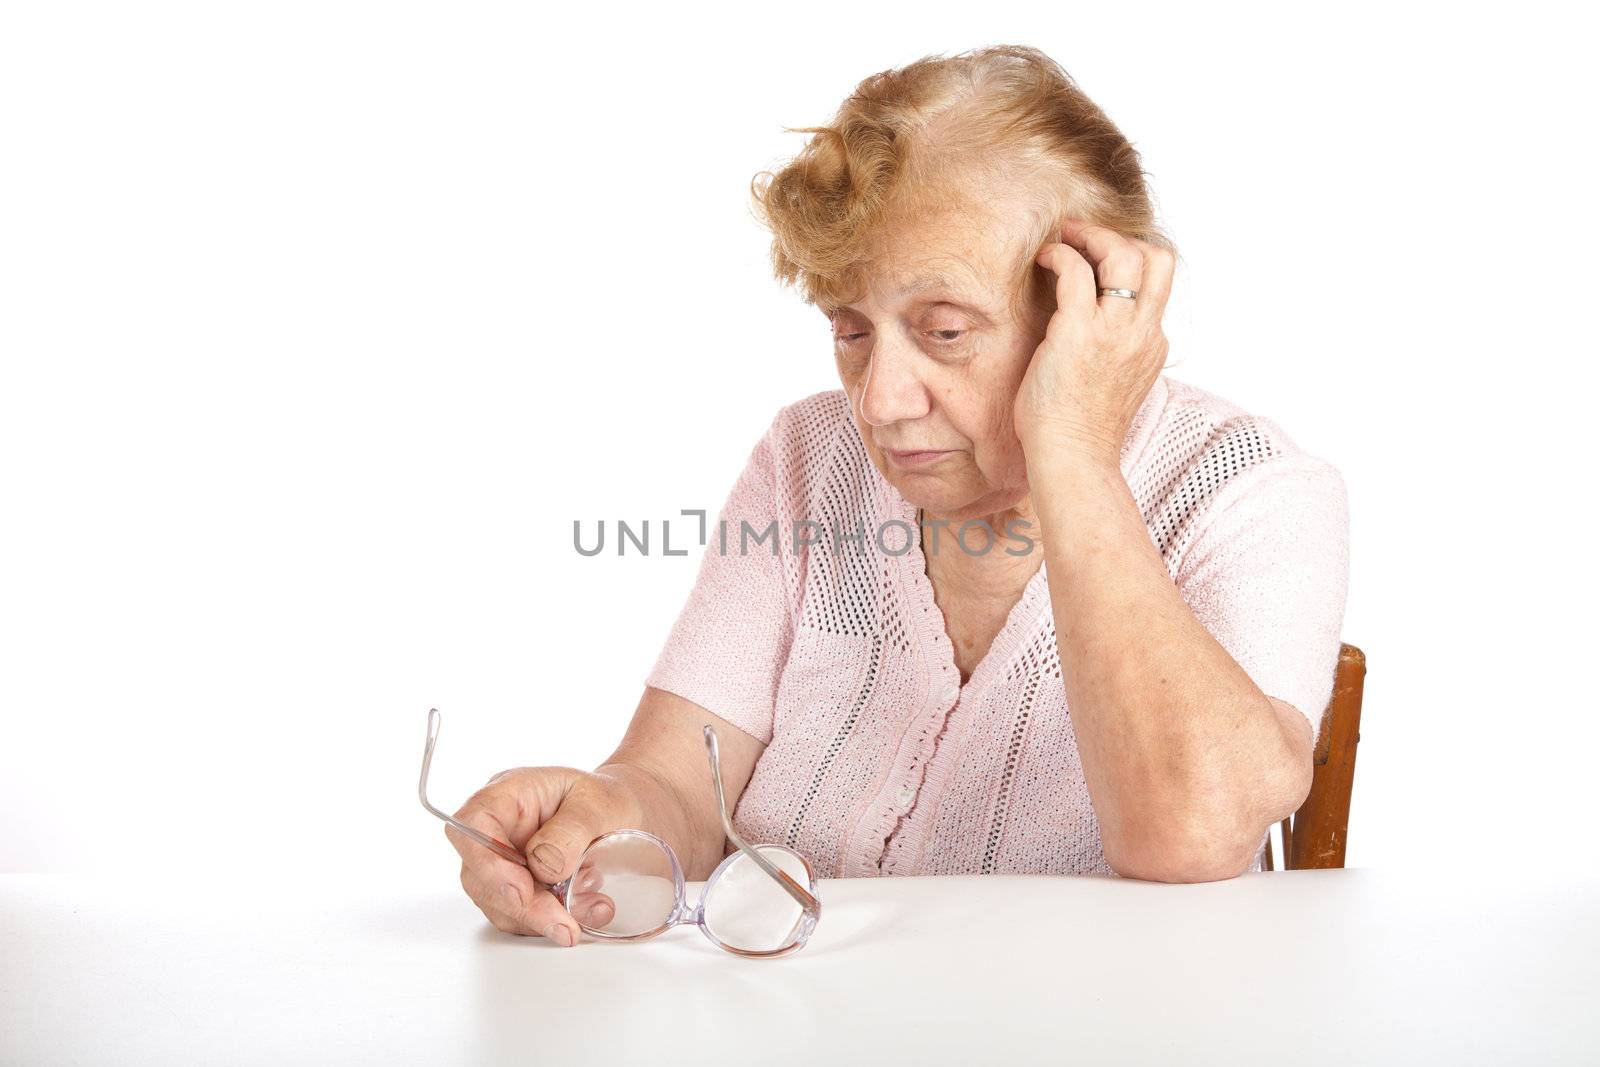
point(761, 901)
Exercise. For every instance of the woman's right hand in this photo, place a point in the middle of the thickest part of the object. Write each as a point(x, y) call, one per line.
point(550, 815)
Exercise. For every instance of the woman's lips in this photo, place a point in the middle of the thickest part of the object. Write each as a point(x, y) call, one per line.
point(921, 458)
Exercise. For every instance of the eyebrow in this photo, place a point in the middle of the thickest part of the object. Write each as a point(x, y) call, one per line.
point(923, 282)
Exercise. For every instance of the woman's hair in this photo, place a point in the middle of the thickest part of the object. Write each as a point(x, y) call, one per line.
point(935, 134)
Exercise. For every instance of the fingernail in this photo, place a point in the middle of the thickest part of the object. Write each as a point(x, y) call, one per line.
point(549, 857)
point(559, 934)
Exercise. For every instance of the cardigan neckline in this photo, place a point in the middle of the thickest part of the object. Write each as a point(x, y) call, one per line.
point(1025, 614)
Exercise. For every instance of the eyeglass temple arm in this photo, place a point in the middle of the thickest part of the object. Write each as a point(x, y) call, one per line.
point(806, 900)
point(479, 836)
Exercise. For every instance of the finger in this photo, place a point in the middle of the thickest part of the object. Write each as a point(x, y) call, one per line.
point(497, 814)
point(483, 871)
point(1118, 263)
point(539, 812)
point(589, 878)
point(594, 910)
point(556, 848)
point(520, 800)
point(526, 909)
point(501, 904)
point(1074, 286)
point(506, 892)
point(1156, 286)
point(503, 774)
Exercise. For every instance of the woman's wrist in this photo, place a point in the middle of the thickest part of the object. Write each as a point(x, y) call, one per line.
point(661, 810)
point(1062, 444)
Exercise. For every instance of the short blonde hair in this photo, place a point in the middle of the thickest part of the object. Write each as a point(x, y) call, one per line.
point(933, 134)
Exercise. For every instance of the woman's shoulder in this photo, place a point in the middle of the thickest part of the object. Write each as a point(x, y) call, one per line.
point(817, 457)
point(826, 411)
point(1199, 428)
point(806, 432)
point(1205, 452)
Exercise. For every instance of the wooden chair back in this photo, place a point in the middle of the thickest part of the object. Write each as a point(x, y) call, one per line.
point(1315, 835)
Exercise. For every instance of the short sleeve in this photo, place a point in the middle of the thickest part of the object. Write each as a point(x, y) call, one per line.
point(1267, 575)
point(731, 639)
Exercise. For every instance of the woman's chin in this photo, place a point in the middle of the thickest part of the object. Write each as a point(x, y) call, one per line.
point(929, 493)
point(938, 492)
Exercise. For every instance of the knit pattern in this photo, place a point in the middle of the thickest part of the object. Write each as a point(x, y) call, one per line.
point(823, 639)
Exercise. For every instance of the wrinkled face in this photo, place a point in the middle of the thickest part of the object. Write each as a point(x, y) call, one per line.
point(931, 360)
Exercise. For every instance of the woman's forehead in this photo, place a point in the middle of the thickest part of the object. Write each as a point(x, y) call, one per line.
point(963, 275)
point(949, 249)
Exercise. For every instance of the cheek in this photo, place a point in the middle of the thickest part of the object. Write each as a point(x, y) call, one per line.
point(979, 407)
point(999, 373)
point(989, 414)
point(850, 373)
point(997, 450)
point(1001, 461)
point(847, 378)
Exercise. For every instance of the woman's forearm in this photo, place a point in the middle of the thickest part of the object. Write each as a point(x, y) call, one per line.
point(1186, 760)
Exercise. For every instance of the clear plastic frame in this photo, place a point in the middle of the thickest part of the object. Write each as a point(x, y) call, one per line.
point(630, 887)
point(760, 902)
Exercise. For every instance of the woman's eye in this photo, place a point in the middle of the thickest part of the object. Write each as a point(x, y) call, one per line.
point(949, 336)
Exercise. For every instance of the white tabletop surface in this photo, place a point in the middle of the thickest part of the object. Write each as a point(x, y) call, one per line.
point(1286, 967)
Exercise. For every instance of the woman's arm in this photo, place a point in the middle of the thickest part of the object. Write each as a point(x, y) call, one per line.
point(1187, 761)
point(721, 663)
point(664, 755)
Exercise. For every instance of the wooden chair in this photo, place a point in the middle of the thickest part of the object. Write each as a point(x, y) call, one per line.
point(1317, 835)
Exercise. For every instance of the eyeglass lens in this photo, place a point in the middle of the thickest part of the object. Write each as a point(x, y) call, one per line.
point(624, 886)
point(746, 909)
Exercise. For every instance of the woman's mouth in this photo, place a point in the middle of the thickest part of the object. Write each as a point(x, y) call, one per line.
point(918, 458)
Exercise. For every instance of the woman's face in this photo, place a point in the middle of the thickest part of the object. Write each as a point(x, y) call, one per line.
point(931, 359)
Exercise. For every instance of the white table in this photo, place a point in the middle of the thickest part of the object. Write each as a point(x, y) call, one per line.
point(1285, 967)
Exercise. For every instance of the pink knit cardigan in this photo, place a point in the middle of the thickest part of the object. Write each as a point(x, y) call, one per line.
point(834, 653)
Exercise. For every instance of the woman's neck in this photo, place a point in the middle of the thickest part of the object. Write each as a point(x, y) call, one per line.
point(1015, 531)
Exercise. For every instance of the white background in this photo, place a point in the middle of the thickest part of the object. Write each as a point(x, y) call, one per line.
point(321, 324)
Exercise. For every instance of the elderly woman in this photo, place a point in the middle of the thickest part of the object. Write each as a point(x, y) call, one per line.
point(1032, 606)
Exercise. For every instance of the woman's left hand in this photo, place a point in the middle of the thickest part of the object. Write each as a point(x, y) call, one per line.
point(1100, 354)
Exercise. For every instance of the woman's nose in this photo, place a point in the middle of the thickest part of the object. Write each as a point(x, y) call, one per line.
point(891, 391)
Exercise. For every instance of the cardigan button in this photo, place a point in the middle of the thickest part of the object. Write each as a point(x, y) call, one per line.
point(950, 694)
point(905, 797)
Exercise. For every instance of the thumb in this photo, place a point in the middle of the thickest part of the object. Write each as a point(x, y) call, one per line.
point(554, 850)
